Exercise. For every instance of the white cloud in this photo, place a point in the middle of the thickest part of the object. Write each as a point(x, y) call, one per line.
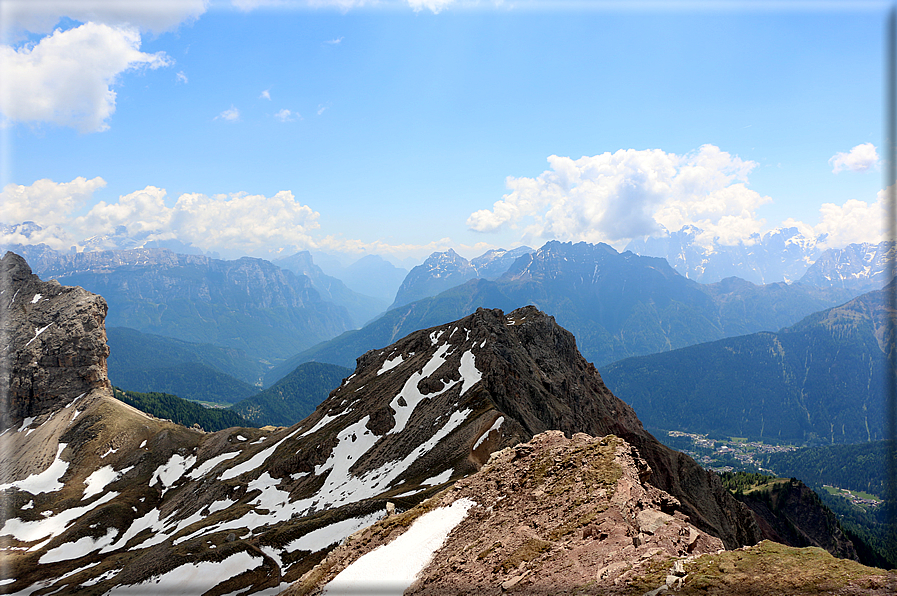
point(614, 197)
point(230, 115)
point(46, 202)
point(860, 159)
point(434, 5)
point(41, 16)
point(321, 109)
point(67, 77)
point(181, 77)
point(265, 95)
point(334, 42)
point(232, 224)
point(285, 115)
point(854, 221)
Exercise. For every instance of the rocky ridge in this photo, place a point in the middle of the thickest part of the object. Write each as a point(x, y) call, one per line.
point(552, 515)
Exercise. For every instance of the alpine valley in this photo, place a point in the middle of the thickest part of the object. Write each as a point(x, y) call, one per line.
point(486, 445)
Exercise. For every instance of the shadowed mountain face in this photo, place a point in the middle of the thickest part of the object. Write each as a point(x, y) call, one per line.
point(821, 380)
point(98, 495)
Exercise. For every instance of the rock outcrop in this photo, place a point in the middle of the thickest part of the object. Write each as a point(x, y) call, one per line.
point(54, 342)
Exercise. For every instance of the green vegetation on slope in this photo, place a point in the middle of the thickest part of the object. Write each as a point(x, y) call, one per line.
point(191, 380)
point(821, 381)
point(294, 397)
point(862, 466)
point(131, 350)
point(172, 407)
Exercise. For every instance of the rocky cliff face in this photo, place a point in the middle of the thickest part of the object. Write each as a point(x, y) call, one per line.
point(54, 340)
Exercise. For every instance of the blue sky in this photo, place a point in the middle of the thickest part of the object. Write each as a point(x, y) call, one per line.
point(401, 128)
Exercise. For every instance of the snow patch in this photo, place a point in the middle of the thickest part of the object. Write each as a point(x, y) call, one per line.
point(390, 364)
point(36, 333)
point(77, 549)
point(470, 375)
point(53, 525)
point(36, 299)
point(192, 578)
point(412, 395)
point(438, 478)
point(495, 426)
point(392, 568)
point(170, 472)
point(46, 481)
point(335, 532)
point(255, 461)
point(98, 480)
point(206, 466)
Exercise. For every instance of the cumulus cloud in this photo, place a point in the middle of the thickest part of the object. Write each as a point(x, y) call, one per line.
point(285, 115)
point(230, 115)
point(67, 78)
point(236, 223)
point(852, 222)
point(434, 5)
point(614, 197)
point(46, 202)
point(265, 95)
point(859, 159)
point(146, 15)
point(242, 222)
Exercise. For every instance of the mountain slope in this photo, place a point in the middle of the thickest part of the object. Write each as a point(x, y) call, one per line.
point(362, 308)
point(248, 304)
point(293, 397)
point(131, 350)
point(617, 305)
point(820, 380)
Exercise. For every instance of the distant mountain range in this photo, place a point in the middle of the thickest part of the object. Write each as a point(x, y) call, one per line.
point(248, 304)
point(783, 254)
point(362, 308)
point(822, 380)
point(618, 305)
point(860, 267)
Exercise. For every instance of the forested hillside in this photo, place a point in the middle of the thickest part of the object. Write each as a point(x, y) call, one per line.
point(171, 407)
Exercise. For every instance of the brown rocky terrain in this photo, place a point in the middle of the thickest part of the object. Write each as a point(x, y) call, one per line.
point(576, 516)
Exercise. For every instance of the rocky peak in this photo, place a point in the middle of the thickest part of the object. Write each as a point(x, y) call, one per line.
point(55, 342)
point(441, 271)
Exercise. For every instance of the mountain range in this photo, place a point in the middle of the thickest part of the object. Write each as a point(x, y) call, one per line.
point(617, 305)
point(444, 270)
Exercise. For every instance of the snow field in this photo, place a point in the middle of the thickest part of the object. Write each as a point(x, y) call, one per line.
point(336, 532)
point(46, 481)
point(193, 578)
